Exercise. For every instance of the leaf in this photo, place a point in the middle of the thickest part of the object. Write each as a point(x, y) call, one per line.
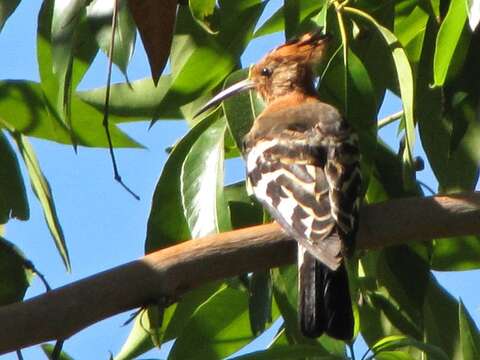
point(166, 223)
point(473, 13)
point(244, 211)
point(155, 21)
point(23, 109)
point(13, 198)
point(276, 22)
point(405, 81)
point(447, 40)
point(202, 183)
point(209, 336)
point(48, 350)
point(42, 191)
point(202, 11)
point(99, 15)
point(241, 109)
point(65, 20)
point(14, 275)
point(397, 342)
point(440, 311)
point(288, 353)
point(469, 336)
point(260, 301)
point(7, 7)
point(394, 355)
point(456, 254)
point(217, 56)
point(175, 318)
point(291, 13)
point(138, 100)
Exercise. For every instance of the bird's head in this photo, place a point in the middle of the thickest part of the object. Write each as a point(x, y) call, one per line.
point(285, 69)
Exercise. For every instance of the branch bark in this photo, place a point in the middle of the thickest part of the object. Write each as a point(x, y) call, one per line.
point(173, 271)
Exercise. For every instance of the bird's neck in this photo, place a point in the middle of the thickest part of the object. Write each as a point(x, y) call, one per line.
point(290, 99)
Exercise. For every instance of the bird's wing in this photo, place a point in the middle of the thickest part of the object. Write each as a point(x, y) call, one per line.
point(309, 182)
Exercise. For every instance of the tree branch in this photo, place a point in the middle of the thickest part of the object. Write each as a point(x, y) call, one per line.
point(173, 271)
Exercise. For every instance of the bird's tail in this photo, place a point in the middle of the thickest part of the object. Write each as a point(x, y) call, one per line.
point(324, 299)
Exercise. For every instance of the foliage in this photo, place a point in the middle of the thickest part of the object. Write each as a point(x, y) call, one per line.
point(423, 51)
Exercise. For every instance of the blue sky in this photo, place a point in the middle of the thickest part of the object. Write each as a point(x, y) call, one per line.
point(104, 226)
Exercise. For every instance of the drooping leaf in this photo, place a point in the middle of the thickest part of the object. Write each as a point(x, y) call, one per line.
point(14, 275)
point(42, 190)
point(469, 335)
point(202, 183)
point(7, 8)
point(138, 100)
point(13, 198)
point(99, 15)
point(260, 301)
point(448, 39)
point(23, 109)
point(209, 336)
point(405, 82)
point(155, 21)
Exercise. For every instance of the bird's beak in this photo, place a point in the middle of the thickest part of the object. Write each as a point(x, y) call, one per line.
point(226, 93)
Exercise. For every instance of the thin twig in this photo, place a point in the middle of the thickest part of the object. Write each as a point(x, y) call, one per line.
point(106, 112)
point(389, 119)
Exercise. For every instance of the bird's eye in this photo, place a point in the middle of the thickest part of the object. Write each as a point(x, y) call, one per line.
point(266, 72)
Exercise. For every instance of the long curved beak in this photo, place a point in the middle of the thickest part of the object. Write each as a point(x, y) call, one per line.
point(226, 93)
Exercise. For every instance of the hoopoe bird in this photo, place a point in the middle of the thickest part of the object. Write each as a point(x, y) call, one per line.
point(303, 166)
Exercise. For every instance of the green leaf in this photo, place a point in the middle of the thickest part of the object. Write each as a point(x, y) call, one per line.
point(448, 39)
point(405, 81)
point(41, 189)
point(202, 11)
point(276, 22)
point(138, 100)
point(64, 53)
point(99, 15)
point(217, 56)
point(175, 318)
point(289, 352)
point(23, 109)
point(13, 198)
point(15, 277)
point(469, 336)
point(456, 254)
point(48, 350)
point(167, 224)
point(244, 211)
point(440, 311)
point(7, 7)
point(201, 182)
point(260, 301)
point(394, 355)
point(241, 109)
point(209, 336)
point(291, 13)
point(397, 342)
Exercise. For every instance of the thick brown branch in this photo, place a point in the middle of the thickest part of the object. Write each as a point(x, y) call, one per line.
point(173, 271)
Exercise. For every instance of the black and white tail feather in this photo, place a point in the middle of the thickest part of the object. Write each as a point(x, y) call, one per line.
point(305, 171)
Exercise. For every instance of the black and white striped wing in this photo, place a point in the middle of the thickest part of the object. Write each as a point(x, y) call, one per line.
point(310, 187)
